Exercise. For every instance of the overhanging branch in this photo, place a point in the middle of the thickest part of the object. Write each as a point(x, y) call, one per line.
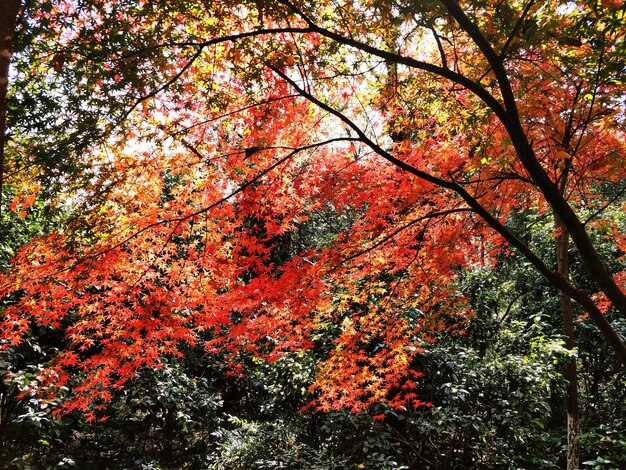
point(553, 277)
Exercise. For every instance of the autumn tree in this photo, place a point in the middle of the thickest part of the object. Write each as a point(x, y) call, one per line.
point(202, 134)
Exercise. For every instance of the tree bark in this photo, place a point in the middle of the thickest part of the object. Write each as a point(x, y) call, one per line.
point(8, 20)
point(571, 374)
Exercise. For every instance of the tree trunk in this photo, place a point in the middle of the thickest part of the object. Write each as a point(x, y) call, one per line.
point(8, 19)
point(567, 315)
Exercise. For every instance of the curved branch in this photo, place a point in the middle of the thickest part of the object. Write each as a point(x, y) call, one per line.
point(556, 279)
point(589, 255)
point(390, 236)
point(166, 85)
point(444, 72)
point(238, 190)
point(201, 45)
point(515, 30)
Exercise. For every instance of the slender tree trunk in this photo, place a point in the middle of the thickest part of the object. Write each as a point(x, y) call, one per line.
point(8, 19)
point(567, 315)
point(168, 435)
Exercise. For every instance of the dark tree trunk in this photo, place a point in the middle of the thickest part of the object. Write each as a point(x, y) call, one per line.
point(567, 315)
point(8, 19)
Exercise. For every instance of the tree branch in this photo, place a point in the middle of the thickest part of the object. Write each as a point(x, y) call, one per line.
point(385, 239)
point(589, 255)
point(240, 189)
point(455, 77)
point(555, 278)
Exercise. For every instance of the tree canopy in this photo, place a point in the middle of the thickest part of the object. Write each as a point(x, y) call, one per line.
point(259, 178)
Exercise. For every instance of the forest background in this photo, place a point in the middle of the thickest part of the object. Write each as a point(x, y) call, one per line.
point(274, 234)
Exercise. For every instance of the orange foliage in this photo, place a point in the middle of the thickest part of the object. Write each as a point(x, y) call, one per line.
point(185, 214)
